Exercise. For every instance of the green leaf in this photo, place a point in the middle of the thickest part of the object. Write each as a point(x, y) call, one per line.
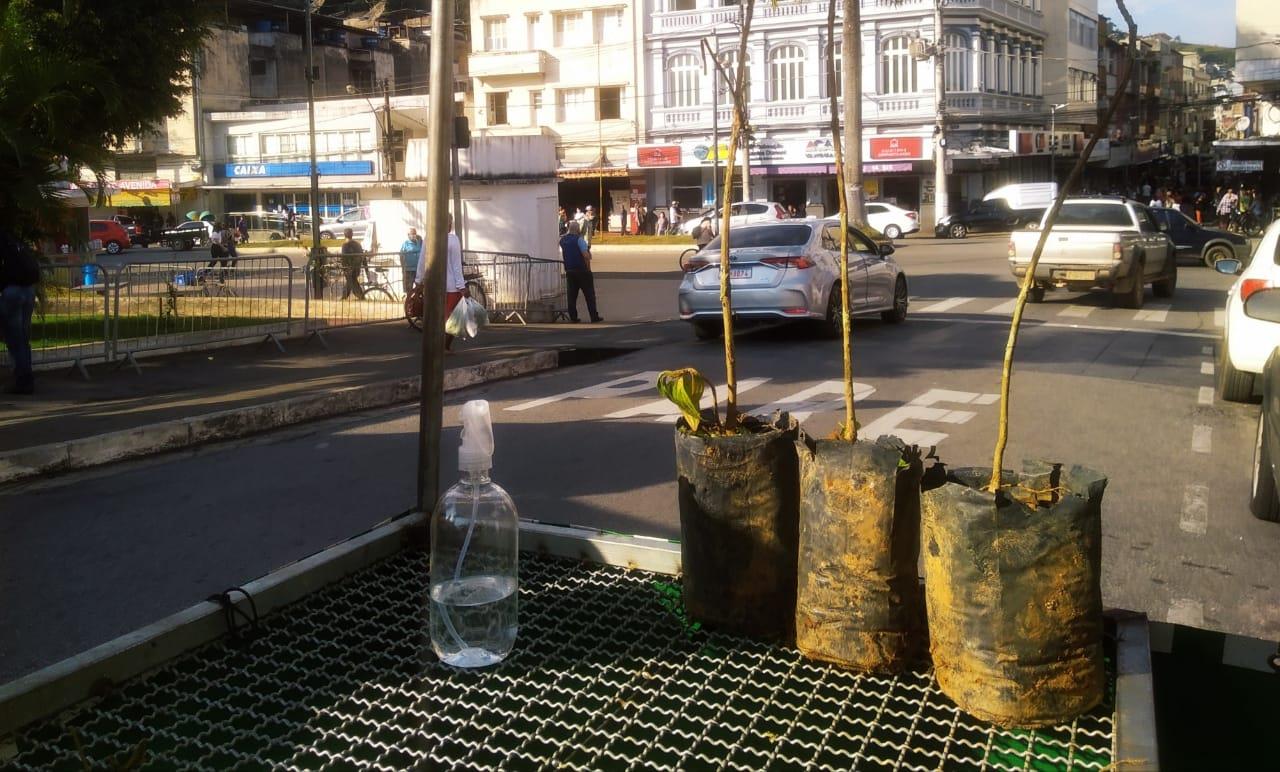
point(684, 388)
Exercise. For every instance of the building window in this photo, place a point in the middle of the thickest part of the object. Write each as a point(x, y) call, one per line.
point(683, 81)
point(495, 34)
point(897, 68)
point(535, 108)
point(241, 147)
point(532, 27)
point(572, 106)
point(497, 108)
point(837, 56)
point(683, 5)
point(786, 73)
point(609, 27)
point(609, 103)
point(957, 64)
point(571, 30)
point(729, 60)
point(989, 65)
point(257, 68)
point(1082, 30)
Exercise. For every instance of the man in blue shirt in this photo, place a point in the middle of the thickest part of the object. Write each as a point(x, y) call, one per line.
point(410, 253)
point(577, 271)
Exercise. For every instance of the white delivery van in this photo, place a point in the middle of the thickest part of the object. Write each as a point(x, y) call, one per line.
point(1025, 195)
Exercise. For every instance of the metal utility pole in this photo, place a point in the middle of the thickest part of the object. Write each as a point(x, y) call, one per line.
point(715, 116)
point(388, 152)
point(455, 181)
point(431, 411)
point(851, 93)
point(940, 122)
point(317, 256)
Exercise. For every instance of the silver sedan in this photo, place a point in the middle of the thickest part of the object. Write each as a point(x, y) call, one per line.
point(791, 270)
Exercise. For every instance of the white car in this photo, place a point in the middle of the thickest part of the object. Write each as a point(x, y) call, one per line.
point(740, 213)
point(356, 219)
point(893, 221)
point(1247, 342)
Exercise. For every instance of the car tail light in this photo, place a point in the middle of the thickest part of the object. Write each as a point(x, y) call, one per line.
point(795, 311)
point(1012, 250)
point(1117, 252)
point(912, 216)
point(1250, 286)
point(695, 264)
point(788, 262)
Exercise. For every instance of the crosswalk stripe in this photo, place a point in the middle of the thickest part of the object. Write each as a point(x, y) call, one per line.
point(1076, 311)
point(945, 305)
point(1004, 308)
point(1152, 314)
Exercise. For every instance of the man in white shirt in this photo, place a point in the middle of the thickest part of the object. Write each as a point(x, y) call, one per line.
point(454, 283)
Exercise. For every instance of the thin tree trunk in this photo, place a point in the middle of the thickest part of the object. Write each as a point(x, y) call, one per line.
point(851, 88)
point(1006, 375)
point(726, 293)
point(849, 429)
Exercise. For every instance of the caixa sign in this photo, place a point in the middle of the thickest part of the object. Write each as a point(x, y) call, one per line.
point(298, 169)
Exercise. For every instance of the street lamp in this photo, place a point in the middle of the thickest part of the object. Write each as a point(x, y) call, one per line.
point(1053, 114)
point(716, 65)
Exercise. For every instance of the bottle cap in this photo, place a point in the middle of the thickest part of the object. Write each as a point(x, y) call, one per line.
point(475, 454)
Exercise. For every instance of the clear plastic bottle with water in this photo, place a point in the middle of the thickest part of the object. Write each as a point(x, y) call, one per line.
point(474, 556)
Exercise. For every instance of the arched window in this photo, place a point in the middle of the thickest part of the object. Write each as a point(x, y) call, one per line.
point(897, 68)
point(958, 62)
point(684, 75)
point(838, 61)
point(729, 60)
point(786, 73)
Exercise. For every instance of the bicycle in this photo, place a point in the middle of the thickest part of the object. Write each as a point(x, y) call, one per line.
point(685, 256)
point(475, 287)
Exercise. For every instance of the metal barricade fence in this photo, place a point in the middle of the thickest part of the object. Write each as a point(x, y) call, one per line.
point(71, 324)
point(369, 292)
point(517, 287)
point(179, 303)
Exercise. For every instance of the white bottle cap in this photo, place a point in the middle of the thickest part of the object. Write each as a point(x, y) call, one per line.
point(475, 454)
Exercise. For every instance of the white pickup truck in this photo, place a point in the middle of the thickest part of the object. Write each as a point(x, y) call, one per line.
point(1109, 243)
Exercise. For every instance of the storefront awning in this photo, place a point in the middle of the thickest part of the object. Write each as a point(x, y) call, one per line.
point(593, 172)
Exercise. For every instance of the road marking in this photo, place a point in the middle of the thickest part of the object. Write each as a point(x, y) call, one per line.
point(921, 409)
point(618, 387)
point(1202, 439)
point(1206, 368)
point(1219, 318)
point(1206, 395)
point(1185, 611)
point(1077, 311)
point(665, 412)
point(1195, 509)
point(1206, 350)
point(805, 403)
point(1033, 323)
point(945, 305)
point(1152, 314)
point(1004, 308)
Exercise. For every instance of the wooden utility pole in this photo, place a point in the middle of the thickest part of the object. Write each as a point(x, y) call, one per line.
point(851, 94)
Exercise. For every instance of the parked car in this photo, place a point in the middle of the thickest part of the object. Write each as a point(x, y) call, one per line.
point(357, 220)
point(1202, 242)
point(115, 239)
point(188, 235)
point(1247, 340)
point(789, 270)
point(893, 221)
point(740, 213)
point(138, 235)
point(1109, 243)
point(1264, 500)
point(1025, 195)
point(994, 216)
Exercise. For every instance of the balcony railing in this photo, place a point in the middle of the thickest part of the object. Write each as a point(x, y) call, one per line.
point(816, 110)
point(495, 64)
point(976, 103)
point(1013, 11)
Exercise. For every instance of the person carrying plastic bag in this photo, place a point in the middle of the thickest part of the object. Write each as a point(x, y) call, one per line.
point(455, 284)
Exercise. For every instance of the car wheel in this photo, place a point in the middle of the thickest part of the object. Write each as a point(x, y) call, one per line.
point(1133, 296)
point(1035, 294)
point(113, 247)
point(898, 313)
point(1214, 254)
point(831, 327)
point(958, 231)
point(1165, 287)
point(1233, 385)
point(892, 232)
point(326, 235)
point(707, 330)
point(1265, 503)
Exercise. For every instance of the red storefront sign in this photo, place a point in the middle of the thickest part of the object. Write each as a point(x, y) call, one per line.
point(657, 155)
point(892, 148)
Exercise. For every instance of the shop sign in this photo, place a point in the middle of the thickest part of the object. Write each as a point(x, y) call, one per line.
point(706, 153)
point(891, 148)
point(820, 169)
point(141, 185)
point(897, 168)
point(1239, 165)
point(648, 156)
point(298, 169)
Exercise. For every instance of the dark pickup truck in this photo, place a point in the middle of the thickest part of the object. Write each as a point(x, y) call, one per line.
point(188, 235)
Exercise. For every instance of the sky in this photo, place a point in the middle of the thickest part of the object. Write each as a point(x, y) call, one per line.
point(1196, 21)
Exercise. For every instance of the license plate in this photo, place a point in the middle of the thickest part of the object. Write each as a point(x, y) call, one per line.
point(739, 273)
point(1081, 275)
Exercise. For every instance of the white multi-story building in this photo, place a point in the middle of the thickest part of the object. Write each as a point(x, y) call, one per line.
point(568, 69)
point(1071, 62)
point(993, 63)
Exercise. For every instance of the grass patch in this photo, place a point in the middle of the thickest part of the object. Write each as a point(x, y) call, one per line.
point(292, 244)
point(617, 238)
point(54, 330)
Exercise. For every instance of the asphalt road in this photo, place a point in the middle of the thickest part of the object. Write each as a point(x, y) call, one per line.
point(93, 555)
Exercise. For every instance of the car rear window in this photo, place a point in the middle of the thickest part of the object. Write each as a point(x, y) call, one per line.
point(1095, 213)
point(771, 236)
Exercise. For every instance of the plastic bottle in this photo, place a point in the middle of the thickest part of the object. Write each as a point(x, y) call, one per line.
point(474, 556)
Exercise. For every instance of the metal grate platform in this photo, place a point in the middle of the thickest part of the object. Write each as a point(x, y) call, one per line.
point(605, 675)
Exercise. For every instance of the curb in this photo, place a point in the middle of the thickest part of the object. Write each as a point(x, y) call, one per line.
point(86, 452)
point(605, 249)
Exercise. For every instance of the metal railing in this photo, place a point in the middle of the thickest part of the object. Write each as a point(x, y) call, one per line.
point(517, 287)
point(365, 290)
point(72, 323)
point(181, 303)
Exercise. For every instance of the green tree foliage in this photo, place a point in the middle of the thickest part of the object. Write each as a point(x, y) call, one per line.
point(78, 78)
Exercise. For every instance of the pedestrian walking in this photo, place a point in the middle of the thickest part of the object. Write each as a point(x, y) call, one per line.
point(1227, 205)
point(410, 253)
point(217, 253)
point(589, 224)
point(577, 271)
point(19, 274)
point(291, 223)
point(673, 217)
point(242, 228)
point(454, 282)
point(352, 265)
point(563, 223)
point(662, 222)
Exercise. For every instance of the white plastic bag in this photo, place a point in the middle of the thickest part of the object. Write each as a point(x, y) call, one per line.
point(467, 319)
